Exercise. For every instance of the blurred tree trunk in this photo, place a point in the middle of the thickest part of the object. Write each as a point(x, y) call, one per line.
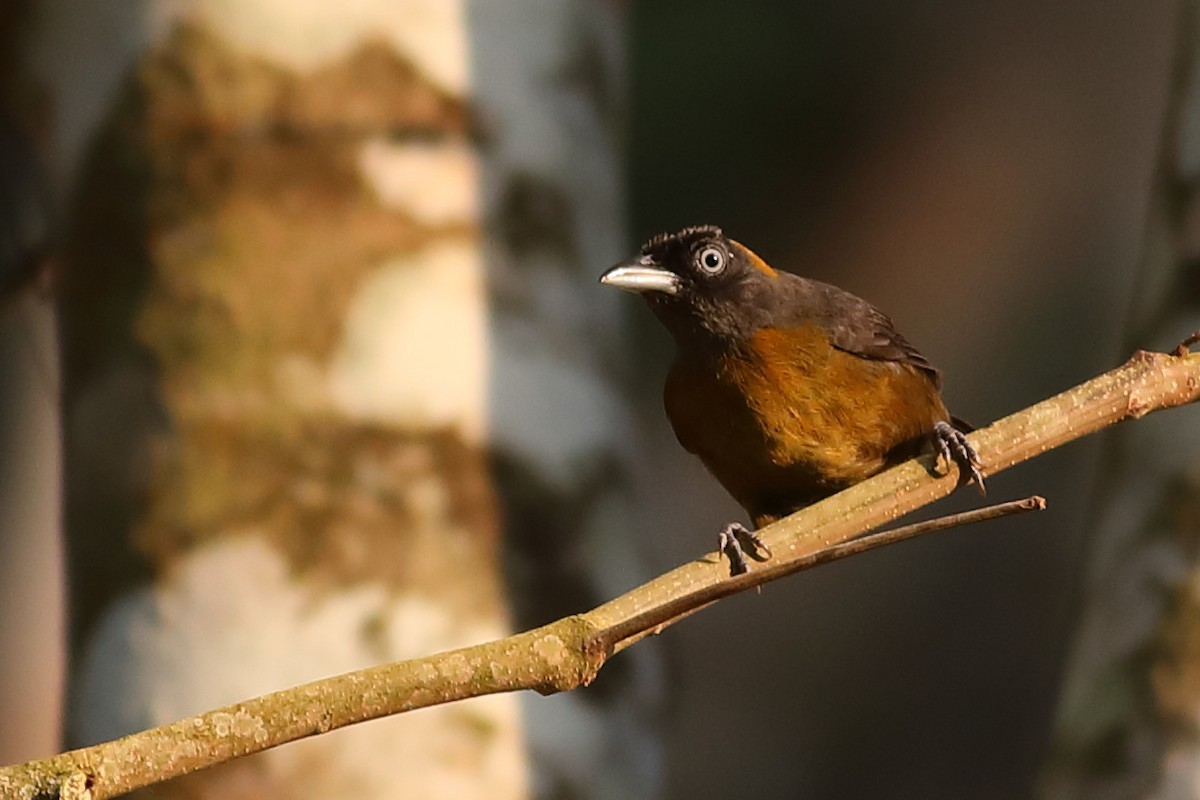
point(549, 91)
point(1129, 717)
point(30, 548)
point(321, 343)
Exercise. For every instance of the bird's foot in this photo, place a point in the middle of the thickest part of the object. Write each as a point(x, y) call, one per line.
point(952, 445)
point(733, 538)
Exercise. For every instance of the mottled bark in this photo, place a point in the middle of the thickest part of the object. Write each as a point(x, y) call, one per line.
point(549, 95)
point(327, 367)
point(275, 386)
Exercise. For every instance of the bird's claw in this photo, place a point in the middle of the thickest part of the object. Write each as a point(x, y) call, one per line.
point(952, 446)
point(734, 540)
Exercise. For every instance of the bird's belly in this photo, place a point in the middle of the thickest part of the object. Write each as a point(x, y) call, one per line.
point(791, 457)
point(781, 436)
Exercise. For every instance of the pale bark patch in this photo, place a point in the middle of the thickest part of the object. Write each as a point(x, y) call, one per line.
point(163, 652)
point(414, 347)
point(435, 183)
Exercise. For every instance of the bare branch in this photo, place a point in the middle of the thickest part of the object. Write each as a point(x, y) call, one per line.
point(568, 653)
point(653, 621)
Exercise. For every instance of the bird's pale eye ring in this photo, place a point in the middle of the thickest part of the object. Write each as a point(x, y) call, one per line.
point(711, 260)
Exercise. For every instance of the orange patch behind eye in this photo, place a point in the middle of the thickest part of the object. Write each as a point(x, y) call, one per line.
point(755, 261)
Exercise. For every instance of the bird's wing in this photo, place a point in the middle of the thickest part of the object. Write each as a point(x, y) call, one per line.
point(855, 326)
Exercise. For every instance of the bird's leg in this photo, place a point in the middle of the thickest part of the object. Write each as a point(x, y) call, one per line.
point(733, 538)
point(952, 445)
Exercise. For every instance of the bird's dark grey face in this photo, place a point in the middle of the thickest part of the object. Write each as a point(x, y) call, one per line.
point(697, 282)
point(676, 265)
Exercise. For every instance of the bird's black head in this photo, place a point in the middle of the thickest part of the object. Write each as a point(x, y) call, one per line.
point(699, 283)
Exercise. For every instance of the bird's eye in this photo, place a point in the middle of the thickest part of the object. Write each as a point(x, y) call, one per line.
point(711, 260)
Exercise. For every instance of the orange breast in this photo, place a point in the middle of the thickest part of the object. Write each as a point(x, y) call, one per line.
point(786, 419)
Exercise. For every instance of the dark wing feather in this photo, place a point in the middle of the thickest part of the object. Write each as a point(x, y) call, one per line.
point(854, 325)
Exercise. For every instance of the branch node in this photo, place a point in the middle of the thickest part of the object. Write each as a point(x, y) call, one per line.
point(1142, 357)
point(1182, 349)
point(573, 652)
point(76, 786)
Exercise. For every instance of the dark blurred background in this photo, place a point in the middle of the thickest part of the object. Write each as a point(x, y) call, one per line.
point(981, 171)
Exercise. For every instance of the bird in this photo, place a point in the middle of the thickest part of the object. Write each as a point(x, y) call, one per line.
point(786, 388)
